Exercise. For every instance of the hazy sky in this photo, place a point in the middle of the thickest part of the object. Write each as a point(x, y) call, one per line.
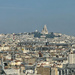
point(28, 15)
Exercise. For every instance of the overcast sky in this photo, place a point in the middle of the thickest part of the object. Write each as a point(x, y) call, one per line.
point(28, 15)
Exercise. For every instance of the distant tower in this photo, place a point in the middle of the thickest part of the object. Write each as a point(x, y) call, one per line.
point(44, 30)
point(13, 36)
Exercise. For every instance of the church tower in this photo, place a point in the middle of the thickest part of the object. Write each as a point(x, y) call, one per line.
point(44, 30)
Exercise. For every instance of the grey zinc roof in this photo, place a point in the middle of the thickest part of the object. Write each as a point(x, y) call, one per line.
point(71, 66)
point(59, 59)
point(29, 67)
point(41, 58)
